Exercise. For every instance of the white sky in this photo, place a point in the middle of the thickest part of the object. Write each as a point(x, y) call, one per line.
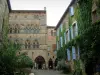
point(55, 8)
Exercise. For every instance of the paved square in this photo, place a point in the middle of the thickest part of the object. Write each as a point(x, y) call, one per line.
point(47, 72)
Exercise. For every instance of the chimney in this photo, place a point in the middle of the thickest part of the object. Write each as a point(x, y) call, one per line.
point(44, 8)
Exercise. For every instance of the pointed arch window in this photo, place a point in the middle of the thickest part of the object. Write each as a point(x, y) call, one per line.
point(29, 45)
point(33, 44)
point(15, 31)
point(37, 44)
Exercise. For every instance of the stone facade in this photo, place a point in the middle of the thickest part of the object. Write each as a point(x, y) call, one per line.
point(51, 45)
point(29, 29)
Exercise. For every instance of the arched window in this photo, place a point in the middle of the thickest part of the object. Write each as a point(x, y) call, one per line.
point(37, 44)
point(15, 31)
point(26, 44)
point(33, 44)
point(29, 45)
point(18, 29)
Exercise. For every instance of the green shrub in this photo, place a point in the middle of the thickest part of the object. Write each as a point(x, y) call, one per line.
point(65, 68)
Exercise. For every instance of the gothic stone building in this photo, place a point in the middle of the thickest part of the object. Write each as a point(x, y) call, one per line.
point(29, 29)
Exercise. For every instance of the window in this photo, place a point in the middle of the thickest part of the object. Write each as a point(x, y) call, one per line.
point(74, 30)
point(48, 54)
point(55, 52)
point(33, 45)
point(68, 55)
point(48, 48)
point(27, 44)
point(51, 32)
point(73, 52)
point(15, 31)
point(37, 44)
point(71, 11)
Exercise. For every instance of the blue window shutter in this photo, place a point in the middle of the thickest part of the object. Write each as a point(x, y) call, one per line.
point(72, 32)
point(71, 10)
point(73, 53)
point(61, 41)
point(68, 54)
point(68, 35)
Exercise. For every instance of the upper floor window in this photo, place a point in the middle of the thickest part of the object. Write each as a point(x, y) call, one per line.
point(35, 44)
point(48, 48)
point(67, 36)
point(51, 32)
point(27, 44)
point(74, 30)
point(71, 11)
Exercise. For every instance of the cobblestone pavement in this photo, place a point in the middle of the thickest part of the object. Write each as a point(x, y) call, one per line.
point(47, 72)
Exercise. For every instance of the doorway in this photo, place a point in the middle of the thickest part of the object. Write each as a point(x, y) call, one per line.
point(40, 61)
point(50, 64)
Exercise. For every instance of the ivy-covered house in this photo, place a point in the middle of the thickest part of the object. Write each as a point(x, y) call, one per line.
point(67, 31)
point(79, 39)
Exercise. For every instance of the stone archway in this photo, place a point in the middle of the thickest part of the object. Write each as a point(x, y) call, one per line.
point(40, 61)
point(50, 64)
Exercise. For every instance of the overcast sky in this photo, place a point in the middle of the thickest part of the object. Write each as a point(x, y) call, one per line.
point(55, 8)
